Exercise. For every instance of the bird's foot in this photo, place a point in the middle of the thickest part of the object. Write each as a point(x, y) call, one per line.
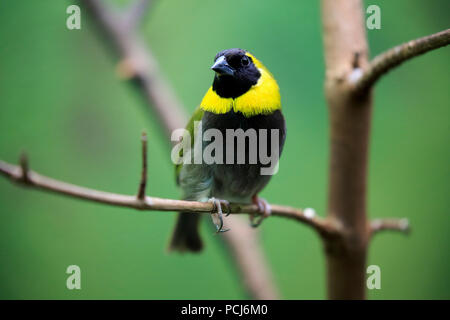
point(217, 213)
point(264, 211)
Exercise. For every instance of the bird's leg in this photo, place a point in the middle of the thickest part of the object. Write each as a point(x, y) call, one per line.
point(263, 208)
point(217, 213)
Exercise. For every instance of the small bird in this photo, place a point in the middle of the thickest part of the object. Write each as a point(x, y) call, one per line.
point(244, 95)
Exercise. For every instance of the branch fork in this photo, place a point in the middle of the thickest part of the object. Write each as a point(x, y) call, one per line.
point(392, 58)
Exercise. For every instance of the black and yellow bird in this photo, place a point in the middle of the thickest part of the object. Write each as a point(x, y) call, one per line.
point(244, 95)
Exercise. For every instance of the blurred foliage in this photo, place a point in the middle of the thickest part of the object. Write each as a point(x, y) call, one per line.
point(62, 102)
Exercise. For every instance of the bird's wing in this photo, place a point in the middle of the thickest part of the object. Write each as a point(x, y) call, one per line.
point(197, 116)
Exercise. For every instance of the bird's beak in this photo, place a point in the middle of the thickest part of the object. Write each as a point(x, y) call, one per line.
point(221, 67)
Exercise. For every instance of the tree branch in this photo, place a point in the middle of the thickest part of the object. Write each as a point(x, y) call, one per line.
point(392, 58)
point(348, 71)
point(345, 47)
point(35, 180)
point(392, 224)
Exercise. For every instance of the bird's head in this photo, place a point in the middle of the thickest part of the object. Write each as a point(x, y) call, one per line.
point(242, 84)
point(236, 72)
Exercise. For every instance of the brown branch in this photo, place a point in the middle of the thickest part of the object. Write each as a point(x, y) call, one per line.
point(38, 181)
point(401, 225)
point(345, 46)
point(392, 58)
point(143, 182)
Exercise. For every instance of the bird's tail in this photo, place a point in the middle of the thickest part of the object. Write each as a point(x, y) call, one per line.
point(186, 235)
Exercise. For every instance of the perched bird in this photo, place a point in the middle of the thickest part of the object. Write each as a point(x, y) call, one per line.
point(244, 95)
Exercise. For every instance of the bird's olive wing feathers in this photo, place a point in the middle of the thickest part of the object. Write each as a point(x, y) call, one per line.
point(197, 116)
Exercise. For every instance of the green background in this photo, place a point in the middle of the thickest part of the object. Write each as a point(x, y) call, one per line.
point(61, 101)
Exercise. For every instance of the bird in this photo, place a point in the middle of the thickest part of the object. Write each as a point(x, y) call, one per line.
point(244, 97)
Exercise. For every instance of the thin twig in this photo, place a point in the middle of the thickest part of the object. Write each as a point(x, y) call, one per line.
point(392, 58)
point(38, 181)
point(143, 182)
point(24, 168)
point(392, 224)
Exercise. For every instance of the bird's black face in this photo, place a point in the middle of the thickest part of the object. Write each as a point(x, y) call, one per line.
point(235, 73)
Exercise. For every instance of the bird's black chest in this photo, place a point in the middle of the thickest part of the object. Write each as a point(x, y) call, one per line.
point(248, 143)
point(236, 120)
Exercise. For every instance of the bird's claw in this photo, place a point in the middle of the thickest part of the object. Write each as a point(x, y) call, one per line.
point(217, 213)
point(264, 211)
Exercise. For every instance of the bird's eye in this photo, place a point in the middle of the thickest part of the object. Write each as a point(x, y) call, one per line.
point(245, 61)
